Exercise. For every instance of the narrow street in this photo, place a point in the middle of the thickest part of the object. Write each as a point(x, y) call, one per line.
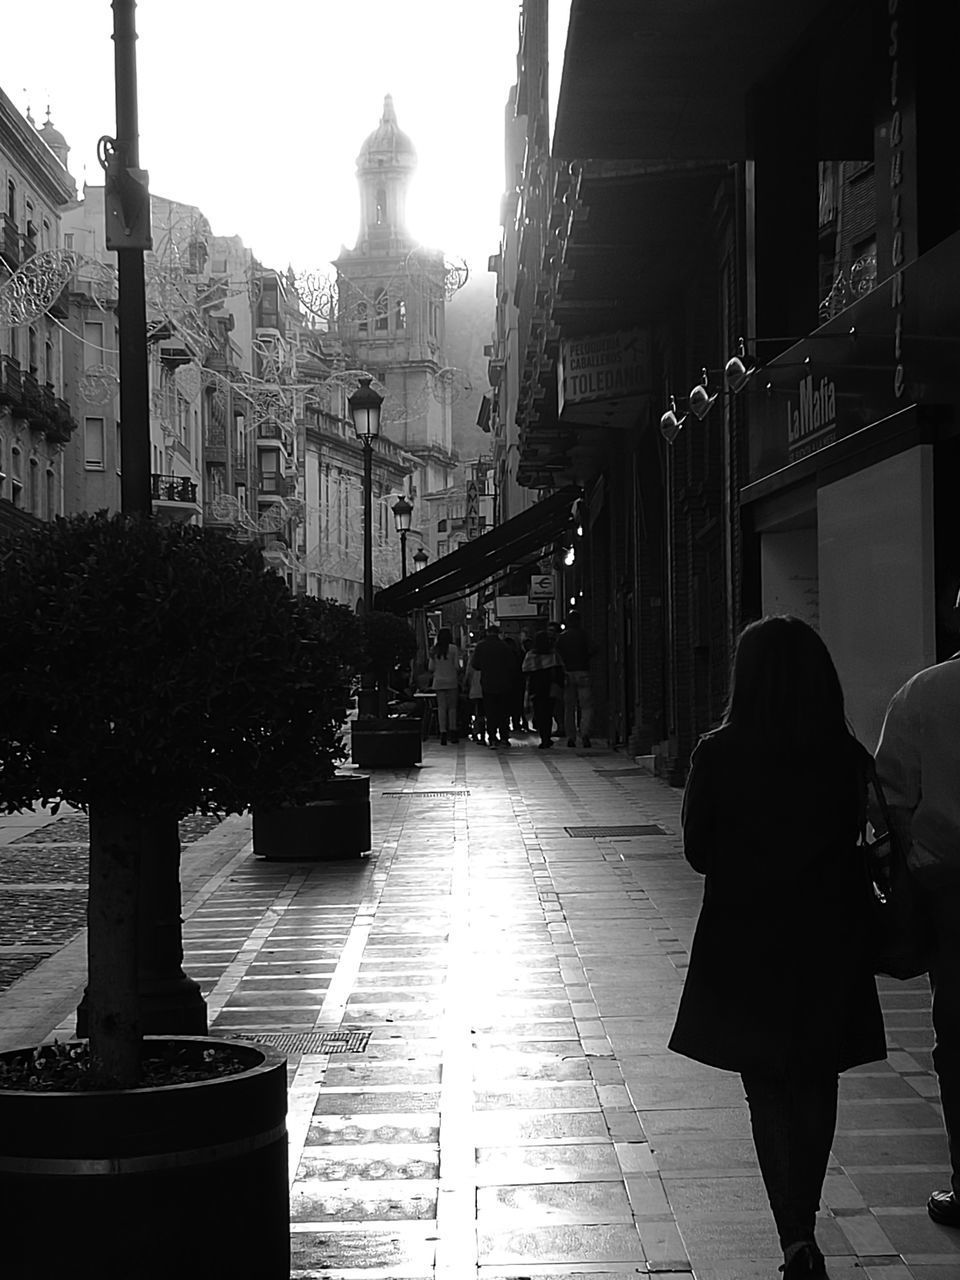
point(475, 1018)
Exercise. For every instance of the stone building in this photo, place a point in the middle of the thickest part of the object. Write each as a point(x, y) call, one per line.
point(35, 420)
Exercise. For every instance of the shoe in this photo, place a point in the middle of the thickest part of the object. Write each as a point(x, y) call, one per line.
point(571, 742)
point(806, 1264)
point(944, 1207)
point(443, 739)
point(586, 742)
point(542, 746)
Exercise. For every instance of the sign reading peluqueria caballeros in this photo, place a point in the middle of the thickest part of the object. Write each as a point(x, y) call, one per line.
point(604, 366)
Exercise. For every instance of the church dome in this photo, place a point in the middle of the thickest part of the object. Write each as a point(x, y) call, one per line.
point(54, 140)
point(388, 145)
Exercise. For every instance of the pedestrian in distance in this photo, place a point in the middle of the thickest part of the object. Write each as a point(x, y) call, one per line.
point(474, 691)
point(498, 669)
point(445, 666)
point(780, 984)
point(543, 671)
point(555, 631)
point(575, 650)
point(918, 763)
point(517, 718)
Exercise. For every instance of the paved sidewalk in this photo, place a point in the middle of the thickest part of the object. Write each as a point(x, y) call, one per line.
point(510, 963)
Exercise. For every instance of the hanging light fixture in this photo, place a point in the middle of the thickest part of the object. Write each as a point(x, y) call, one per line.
point(670, 424)
point(701, 401)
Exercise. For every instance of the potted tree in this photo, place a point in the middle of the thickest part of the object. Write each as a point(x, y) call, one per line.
point(148, 671)
point(385, 740)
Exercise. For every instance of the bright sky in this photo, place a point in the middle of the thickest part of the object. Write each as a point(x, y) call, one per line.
point(256, 113)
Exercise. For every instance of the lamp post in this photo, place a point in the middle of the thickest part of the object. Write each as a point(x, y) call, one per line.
point(365, 410)
point(402, 513)
point(420, 559)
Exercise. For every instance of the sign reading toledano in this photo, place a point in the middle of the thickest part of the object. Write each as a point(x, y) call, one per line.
point(604, 366)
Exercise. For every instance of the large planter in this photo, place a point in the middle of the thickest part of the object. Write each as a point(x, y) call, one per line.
point(335, 824)
point(182, 1180)
point(389, 742)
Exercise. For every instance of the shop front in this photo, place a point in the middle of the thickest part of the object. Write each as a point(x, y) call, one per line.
point(853, 469)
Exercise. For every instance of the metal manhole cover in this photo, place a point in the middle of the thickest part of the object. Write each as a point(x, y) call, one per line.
point(426, 795)
point(596, 833)
point(313, 1041)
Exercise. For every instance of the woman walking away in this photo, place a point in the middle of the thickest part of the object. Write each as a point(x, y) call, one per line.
point(445, 669)
point(780, 986)
point(544, 675)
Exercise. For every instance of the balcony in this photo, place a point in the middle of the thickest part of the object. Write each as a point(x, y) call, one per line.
point(272, 484)
point(174, 497)
point(11, 382)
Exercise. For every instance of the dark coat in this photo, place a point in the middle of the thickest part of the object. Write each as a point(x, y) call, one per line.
point(498, 665)
point(779, 971)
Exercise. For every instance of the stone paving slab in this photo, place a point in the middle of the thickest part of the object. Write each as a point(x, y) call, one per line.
point(516, 1112)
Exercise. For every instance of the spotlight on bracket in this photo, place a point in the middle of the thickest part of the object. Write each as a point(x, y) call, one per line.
point(701, 401)
point(736, 372)
point(670, 424)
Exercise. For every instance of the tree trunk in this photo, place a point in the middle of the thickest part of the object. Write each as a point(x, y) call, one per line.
point(113, 1010)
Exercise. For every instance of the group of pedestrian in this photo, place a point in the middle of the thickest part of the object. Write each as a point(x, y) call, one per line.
point(780, 985)
point(552, 670)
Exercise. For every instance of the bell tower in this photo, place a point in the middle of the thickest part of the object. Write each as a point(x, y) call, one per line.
point(391, 306)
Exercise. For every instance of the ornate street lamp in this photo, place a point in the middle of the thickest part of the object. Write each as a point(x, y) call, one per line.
point(365, 410)
point(420, 559)
point(402, 514)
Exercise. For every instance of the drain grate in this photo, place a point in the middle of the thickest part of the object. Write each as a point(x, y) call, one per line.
point(596, 833)
point(314, 1041)
point(427, 795)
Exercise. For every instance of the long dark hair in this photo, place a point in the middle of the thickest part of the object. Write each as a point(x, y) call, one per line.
point(444, 638)
point(785, 690)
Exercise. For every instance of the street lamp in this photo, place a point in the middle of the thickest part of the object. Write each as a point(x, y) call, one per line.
point(365, 410)
point(402, 512)
point(420, 559)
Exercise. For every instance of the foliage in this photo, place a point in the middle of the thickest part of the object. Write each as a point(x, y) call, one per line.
point(67, 1067)
point(388, 640)
point(163, 668)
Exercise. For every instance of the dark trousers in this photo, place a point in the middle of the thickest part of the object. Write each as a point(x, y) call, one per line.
point(543, 716)
point(944, 910)
point(496, 712)
point(793, 1116)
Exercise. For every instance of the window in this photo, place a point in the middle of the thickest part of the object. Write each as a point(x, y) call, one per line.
point(16, 477)
point(34, 486)
point(68, 240)
point(11, 199)
point(93, 444)
point(401, 314)
point(51, 494)
point(381, 209)
point(32, 350)
point(92, 343)
point(362, 316)
point(45, 235)
point(381, 309)
point(48, 368)
point(119, 452)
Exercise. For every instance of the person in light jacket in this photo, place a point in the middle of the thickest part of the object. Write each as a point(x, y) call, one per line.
point(445, 668)
point(780, 985)
point(918, 763)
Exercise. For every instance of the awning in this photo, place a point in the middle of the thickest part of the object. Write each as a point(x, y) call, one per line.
point(524, 538)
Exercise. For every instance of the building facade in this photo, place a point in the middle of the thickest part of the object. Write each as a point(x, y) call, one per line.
point(35, 420)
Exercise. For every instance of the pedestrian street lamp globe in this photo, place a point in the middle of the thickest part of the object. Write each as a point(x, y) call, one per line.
point(420, 559)
point(364, 407)
point(402, 515)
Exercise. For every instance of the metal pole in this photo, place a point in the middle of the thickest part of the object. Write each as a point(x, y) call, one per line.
point(135, 492)
point(367, 525)
point(403, 553)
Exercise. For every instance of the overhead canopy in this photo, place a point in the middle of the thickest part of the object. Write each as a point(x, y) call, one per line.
point(479, 561)
point(668, 81)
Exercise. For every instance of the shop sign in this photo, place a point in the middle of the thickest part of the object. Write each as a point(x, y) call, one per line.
point(542, 586)
point(515, 607)
point(812, 417)
point(604, 366)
